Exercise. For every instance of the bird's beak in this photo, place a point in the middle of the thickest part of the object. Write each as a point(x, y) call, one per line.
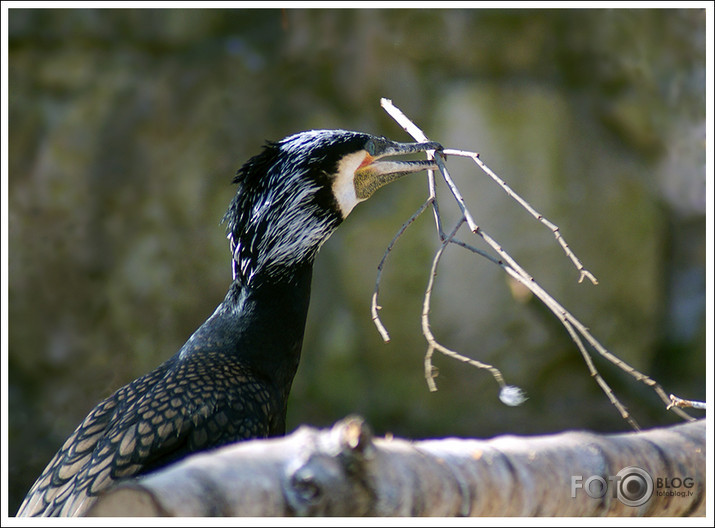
point(374, 171)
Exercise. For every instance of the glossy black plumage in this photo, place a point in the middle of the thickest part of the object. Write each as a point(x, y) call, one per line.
point(231, 379)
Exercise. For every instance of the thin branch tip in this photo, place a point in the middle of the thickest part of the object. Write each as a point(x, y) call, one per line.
point(680, 403)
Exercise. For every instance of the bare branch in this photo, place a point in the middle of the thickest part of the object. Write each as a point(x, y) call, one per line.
point(513, 269)
point(564, 317)
point(433, 198)
point(570, 322)
point(439, 158)
point(680, 402)
point(414, 131)
point(427, 332)
point(402, 120)
point(374, 305)
point(541, 218)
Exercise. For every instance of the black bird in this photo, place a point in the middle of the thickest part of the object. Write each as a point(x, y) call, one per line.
point(231, 379)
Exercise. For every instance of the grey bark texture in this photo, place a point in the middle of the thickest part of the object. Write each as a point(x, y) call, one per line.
point(344, 471)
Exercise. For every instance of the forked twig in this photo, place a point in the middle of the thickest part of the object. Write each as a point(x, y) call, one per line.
point(415, 131)
point(584, 273)
point(574, 327)
point(563, 315)
point(432, 342)
point(374, 306)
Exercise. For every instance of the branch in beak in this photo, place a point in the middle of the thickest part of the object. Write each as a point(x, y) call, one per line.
point(374, 173)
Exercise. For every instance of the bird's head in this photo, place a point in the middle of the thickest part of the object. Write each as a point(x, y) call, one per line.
point(295, 193)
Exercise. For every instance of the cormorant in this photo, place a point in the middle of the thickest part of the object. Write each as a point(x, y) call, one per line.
point(231, 379)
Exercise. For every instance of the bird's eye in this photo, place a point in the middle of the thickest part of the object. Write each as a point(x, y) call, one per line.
point(370, 147)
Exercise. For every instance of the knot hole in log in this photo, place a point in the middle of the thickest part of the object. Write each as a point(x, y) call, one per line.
point(332, 472)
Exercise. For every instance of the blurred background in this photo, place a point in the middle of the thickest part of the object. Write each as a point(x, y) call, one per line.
point(126, 127)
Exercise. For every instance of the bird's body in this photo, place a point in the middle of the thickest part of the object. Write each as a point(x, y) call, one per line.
point(231, 379)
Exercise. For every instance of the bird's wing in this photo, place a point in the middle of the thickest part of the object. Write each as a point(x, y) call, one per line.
point(160, 417)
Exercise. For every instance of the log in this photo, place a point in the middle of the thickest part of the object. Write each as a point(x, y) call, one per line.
point(345, 471)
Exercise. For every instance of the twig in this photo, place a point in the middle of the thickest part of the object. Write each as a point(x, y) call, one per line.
point(402, 120)
point(415, 131)
point(680, 402)
point(433, 198)
point(513, 269)
point(564, 316)
point(374, 305)
point(439, 158)
point(427, 332)
point(584, 273)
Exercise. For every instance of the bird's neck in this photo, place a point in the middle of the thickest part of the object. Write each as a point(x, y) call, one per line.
point(265, 322)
